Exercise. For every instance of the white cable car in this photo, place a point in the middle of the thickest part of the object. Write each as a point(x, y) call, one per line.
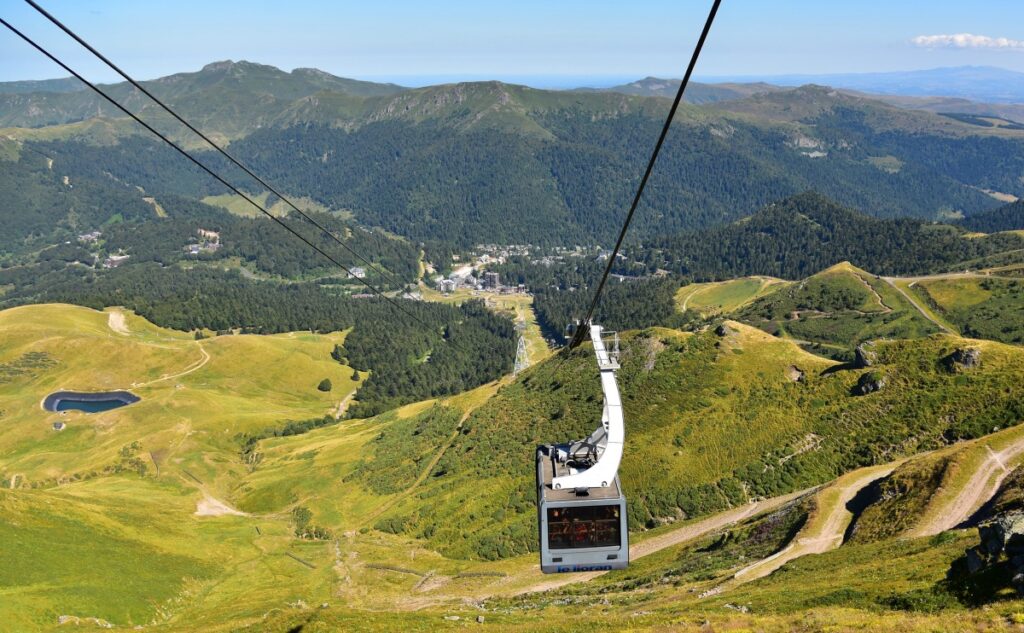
point(581, 510)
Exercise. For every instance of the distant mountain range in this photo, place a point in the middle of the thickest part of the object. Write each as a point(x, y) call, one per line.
point(977, 83)
point(453, 162)
point(67, 84)
point(910, 95)
point(696, 92)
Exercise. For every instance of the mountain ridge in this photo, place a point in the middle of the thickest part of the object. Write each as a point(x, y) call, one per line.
point(979, 83)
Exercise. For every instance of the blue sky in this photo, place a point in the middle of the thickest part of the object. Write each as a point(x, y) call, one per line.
point(551, 42)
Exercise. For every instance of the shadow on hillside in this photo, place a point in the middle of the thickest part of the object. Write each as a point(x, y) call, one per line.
point(866, 496)
point(835, 369)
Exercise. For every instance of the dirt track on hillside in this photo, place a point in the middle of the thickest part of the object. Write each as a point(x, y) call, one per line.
point(678, 536)
point(906, 295)
point(982, 485)
point(821, 534)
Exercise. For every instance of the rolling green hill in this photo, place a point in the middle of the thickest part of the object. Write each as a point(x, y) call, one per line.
point(66, 84)
point(841, 306)
point(689, 399)
point(979, 306)
point(834, 310)
point(723, 296)
point(801, 235)
point(696, 92)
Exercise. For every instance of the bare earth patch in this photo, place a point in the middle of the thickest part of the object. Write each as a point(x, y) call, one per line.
point(210, 507)
point(118, 322)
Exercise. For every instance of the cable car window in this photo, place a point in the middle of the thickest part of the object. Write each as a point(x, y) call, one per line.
point(584, 526)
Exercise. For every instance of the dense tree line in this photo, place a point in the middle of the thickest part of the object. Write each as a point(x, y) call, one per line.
point(471, 347)
point(566, 170)
point(425, 350)
point(562, 293)
point(571, 185)
point(804, 234)
point(146, 162)
point(1009, 217)
point(624, 305)
point(41, 208)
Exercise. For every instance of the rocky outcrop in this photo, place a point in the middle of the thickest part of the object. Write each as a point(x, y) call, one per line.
point(723, 330)
point(865, 355)
point(870, 382)
point(795, 374)
point(963, 358)
point(1002, 542)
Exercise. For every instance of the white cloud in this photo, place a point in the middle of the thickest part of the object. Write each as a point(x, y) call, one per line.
point(967, 40)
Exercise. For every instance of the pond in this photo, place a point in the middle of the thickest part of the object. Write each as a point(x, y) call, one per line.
point(94, 402)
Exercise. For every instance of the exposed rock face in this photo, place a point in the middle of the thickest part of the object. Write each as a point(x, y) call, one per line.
point(652, 348)
point(795, 374)
point(963, 358)
point(870, 382)
point(723, 330)
point(865, 355)
point(1001, 539)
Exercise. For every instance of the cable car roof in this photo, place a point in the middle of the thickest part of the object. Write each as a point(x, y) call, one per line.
point(607, 493)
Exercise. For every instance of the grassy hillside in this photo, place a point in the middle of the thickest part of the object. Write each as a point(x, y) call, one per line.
point(835, 310)
point(112, 495)
point(202, 529)
point(713, 421)
point(226, 99)
point(196, 395)
point(979, 306)
point(725, 296)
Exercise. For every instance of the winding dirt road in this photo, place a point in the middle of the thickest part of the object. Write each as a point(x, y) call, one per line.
point(917, 306)
point(981, 487)
point(683, 534)
point(188, 370)
point(824, 531)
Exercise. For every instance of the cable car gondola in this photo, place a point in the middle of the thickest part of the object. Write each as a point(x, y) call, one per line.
point(581, 510)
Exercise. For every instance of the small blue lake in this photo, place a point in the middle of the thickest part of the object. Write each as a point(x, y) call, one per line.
point(95, 402)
